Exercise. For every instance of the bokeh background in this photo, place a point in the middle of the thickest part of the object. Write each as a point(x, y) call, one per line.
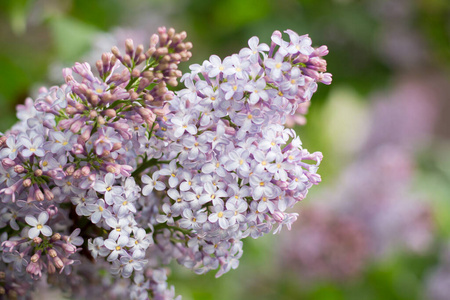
point(378, 226)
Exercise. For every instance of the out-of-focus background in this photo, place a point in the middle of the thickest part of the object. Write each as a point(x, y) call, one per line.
point(378, 226)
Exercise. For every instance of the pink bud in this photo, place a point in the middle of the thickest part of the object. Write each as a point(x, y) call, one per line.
point(48, 194)
point(37, 240)
point(36, 257)
point(78, 149)
point(116, 146)
point(85, 171)
point(52, 253)
point(69, 248)
point(38, 195)
point(70, 170)
point(51, 268)
point(58, 262)
point(110, 113)
point(278, 216)
point(19, 169)
point(77, 174)
point(76, 126)
point(56, 237)
point(8, 163)
point(52, 211)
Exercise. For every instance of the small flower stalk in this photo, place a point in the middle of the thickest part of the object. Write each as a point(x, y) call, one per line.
point(115, 172)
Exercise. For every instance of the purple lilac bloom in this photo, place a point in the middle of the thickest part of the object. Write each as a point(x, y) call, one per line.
point(147, 175)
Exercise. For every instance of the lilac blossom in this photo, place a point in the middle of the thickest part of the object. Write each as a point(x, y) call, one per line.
point(38, 225)
point(147, 175)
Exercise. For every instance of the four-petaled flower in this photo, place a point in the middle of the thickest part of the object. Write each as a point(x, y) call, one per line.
point(38, 225)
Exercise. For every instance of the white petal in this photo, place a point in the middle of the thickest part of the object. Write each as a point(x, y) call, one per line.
point(32, 221)
point(46, 230)
point(33, 232)
point(43, 217)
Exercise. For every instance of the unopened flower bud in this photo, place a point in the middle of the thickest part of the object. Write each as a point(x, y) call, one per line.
point(38, 172)
point(171, 32)
point(127, 61)
point(2, 275)
point(77, 174)
point(52, 211)
point(99, 66)
point(116, 146)
point(52, 253)
point(58, 262)
point(116, 52)
point(168, 97)
point(85, 171)
point(110, 113)
point(19, 169)
point(75, 127)
point(92, 177)
point(101, 120)
point(49, 195)
point(37, 240)
point(70, 110)
point(70, 169)
point(51, 268)
point(149, 97)
point(150, 52)
point(35, 257)
point(129, 46)
point(110, 169)
point(141, 58)
point(134, 95)
point(278, 216)
point(27, 182)
point(172, 82)
point(135, 73)
point(38, 195)
point(8, 163)
point(56, 237)
point(78, 148)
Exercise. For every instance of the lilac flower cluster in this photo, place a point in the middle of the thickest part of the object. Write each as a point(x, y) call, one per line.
point(119, 169)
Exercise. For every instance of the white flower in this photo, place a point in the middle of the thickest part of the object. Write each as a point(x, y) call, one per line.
point(38, 225)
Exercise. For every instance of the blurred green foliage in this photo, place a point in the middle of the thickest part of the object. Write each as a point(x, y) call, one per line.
point(34, 34)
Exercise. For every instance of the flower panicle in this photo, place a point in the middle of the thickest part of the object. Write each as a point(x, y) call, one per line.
point(119, 170)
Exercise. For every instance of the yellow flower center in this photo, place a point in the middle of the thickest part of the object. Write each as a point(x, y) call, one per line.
point(39, 226)
point(220, 214)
